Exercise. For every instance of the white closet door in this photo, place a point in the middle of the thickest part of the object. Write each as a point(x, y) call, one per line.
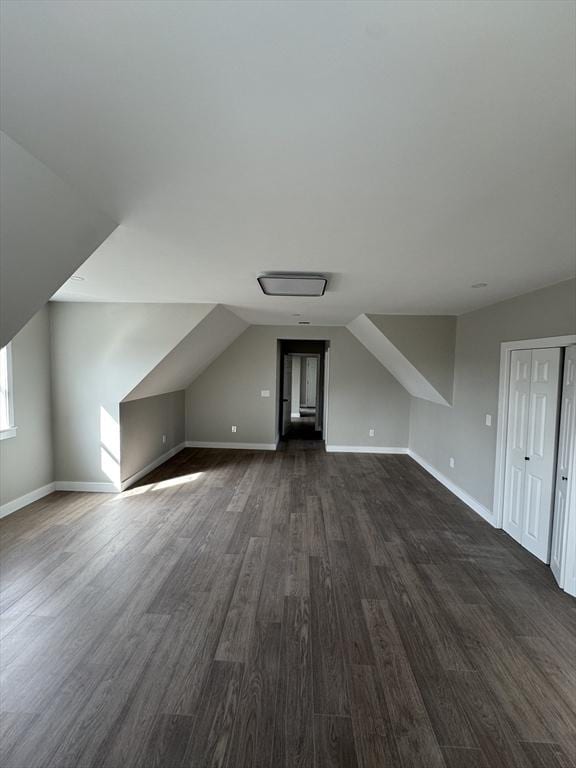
point(541, 452)
point(570, 548)
point(517, 436)
point(564, 472)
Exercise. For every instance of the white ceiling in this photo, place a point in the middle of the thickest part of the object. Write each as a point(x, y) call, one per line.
point(408, 149)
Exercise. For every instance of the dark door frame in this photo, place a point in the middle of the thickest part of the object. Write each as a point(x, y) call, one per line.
point(301, 347)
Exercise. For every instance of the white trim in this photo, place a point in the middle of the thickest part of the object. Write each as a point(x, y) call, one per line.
point(28, 498)
point(72, 485)
point(295, 415)
point(326, 390)
point(470, 501)
point(10, 430)
point(153, 464)
point(241, 446)
point(506, 348)
point(364, 449)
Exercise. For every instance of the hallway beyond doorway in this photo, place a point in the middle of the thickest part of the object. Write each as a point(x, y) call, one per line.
point(301, 396)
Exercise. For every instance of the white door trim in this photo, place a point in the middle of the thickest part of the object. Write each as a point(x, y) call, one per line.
point(506, 349)
point(326, 390)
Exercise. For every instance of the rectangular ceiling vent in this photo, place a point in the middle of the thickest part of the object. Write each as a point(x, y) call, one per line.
point(292, 284)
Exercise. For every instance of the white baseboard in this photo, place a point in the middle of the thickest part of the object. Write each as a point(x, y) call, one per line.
point(241, 446)
point(470, 501)
point(149, 467)
point(69, 485)
point(364, 449)
point(29, 498)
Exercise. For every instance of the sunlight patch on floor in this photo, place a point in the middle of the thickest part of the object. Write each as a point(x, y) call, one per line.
point(161, 485)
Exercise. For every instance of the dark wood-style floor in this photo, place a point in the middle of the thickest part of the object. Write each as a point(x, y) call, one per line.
point(280, 610)
point(303, 428)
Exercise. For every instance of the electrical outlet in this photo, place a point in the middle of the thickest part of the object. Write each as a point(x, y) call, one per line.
point(163, 439)
point(451, 462)
point(488, 419)
point(234, 429)
point(264, 393)
point(371, 432)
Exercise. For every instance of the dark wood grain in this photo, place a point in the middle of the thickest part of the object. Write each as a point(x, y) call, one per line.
point(251, 746)
point(167, 741)
point(293, 742)
point(279, 610)
point(210, 738)
point(333, 742)
point(330, 687)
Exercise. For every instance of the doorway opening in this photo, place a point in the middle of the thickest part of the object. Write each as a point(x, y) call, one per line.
point(302, 389)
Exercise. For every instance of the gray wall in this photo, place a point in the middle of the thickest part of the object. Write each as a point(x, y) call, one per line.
point(205, 342)
point(26, 461)
point(142, 424)
point(362, 394)
point(47, 232)
point(438, 432)
point(99, 353)
point(428, 342)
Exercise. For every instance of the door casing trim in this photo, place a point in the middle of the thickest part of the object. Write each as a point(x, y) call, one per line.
point(506, 349)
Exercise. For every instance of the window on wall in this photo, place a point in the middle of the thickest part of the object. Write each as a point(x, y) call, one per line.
point(7, 428)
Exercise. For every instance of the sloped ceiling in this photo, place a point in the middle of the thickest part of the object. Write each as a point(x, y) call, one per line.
point(205, 342)
point(46, 232)
point(100, 352)
point(428, 342)
point(418, 351)
point(407, 149)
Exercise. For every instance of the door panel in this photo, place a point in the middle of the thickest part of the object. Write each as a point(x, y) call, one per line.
point(562, 556)
point(541, 451)
point(311, 374)
point(558, 534)
point(533, 505)
point(517, 481)
point(520, 420)
point(286, 394)
point(537, 439)
point(520, 371)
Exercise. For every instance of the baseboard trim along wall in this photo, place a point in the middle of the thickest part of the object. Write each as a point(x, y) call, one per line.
point(72, 485)
point(29, 498)
point(240, 446)
point(470, 501)
point(153, 465)
point(364, 449)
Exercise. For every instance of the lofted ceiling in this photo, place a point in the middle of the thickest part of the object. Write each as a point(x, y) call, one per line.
point(407, 149)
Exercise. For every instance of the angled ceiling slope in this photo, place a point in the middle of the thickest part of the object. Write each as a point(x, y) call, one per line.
point(426, 139)
point(46, 233)
point(205, 342)
point(417, 350)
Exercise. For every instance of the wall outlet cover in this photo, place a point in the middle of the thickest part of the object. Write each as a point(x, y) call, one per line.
point(451, 462)
point(163, 439)
point(234, 429)
point(488, 419)
point(264, 393)
point(371, 432)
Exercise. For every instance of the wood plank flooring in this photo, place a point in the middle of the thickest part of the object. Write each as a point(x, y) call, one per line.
point(279, 610)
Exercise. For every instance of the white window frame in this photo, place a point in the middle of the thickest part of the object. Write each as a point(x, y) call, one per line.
point(10, 430)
